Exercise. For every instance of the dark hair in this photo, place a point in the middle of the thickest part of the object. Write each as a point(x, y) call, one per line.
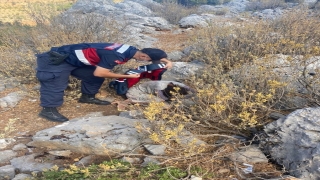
point(154, 54)
point(171, 89)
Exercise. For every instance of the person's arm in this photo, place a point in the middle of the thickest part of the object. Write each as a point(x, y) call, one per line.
point(167, 62)
point(108, 60)
point(107, 73)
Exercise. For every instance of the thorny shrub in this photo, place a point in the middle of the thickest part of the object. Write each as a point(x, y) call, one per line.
point(168, 127)
point(295, 33)
point(201, 149)
point(240, 80)
point(251, 69)
point(171, 11)
point(171, 126)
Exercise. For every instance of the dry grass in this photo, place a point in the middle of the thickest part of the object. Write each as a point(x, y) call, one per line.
point(50, 30)
point(18, 10)
point(170, 42)
point(172, 11)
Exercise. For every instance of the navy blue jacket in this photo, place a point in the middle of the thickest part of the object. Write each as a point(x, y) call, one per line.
point(105, 55)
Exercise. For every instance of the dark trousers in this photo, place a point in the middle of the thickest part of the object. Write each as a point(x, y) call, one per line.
point(54, 80)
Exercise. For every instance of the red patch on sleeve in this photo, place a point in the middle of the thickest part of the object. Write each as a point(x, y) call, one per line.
point(119, 62)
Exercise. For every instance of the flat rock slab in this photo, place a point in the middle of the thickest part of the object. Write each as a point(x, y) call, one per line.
point(105, 135)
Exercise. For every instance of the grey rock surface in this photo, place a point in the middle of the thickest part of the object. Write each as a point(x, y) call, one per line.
point(7, 172)
point(6, 142)
point(182, 70)
point(155, 149)
point(250, 154)
point(22, 177)
point(6, 155)
point(105, 135)
point(293, 141)
point(11, 99)
point(193, 20)
point(136, 18)
point(28, 164)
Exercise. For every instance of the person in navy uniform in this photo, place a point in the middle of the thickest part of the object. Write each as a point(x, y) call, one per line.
point(89, 62)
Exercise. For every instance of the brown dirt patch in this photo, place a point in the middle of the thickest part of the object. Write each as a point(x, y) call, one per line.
point(172, 42)
point(26, 119)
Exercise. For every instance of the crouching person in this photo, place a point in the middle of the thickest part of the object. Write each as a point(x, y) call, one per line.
point(89, 62)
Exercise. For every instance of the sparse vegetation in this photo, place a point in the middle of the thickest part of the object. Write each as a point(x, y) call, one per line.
point(236, 91)
point(12, 8)
point(240, 87)
point(172, 11)
point(9, 128)
point(114, 170)
point(254, 5)
point(194, 2)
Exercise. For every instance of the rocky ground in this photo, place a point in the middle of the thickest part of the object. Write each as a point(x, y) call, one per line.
point(22, 121)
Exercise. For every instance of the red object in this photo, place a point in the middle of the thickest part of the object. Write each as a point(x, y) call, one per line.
point(153, 75)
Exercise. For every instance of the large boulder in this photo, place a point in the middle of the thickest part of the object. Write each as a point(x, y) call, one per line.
point(106, 135)
point(134, 18)
point(293, 141)
point(183, 71)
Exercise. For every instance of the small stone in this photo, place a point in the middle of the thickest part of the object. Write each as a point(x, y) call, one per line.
point(19, 147)
point(222, 171)
point(195, 178)
point(66, 153)
point(130, 160)
point(155, 149)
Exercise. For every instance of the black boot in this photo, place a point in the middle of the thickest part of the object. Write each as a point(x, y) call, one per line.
point(90, 98)
point(52, 114)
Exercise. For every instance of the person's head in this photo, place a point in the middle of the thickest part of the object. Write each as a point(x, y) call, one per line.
point(173, 89)
point(150, 54)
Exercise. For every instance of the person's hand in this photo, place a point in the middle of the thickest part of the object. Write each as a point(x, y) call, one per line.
point(167, 62)
point(133, 75)
point(168, 65)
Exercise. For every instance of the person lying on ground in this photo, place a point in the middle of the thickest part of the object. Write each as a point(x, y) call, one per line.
point(156, 91)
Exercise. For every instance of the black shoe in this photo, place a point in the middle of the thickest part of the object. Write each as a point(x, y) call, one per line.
point(52, 114)
point(90, 98)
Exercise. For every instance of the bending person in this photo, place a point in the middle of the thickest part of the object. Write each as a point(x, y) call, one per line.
point(89, 62)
